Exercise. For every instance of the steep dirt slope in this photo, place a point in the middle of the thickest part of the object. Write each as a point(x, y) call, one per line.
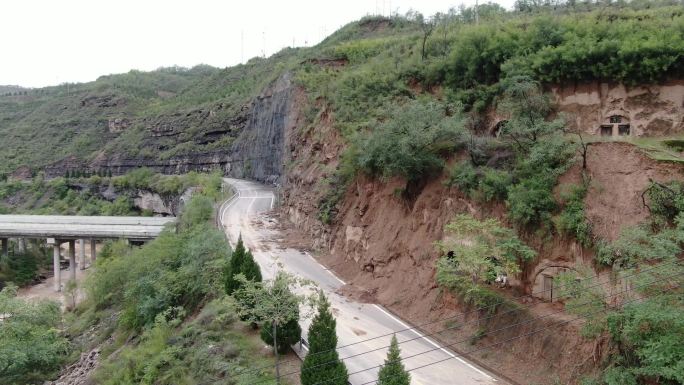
point(383, 245)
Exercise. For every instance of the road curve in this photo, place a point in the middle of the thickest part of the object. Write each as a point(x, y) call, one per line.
point(355, 321)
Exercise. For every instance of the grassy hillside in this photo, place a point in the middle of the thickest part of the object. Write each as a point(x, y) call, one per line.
point(361, 71)
point(160, 114)
point(406, 94)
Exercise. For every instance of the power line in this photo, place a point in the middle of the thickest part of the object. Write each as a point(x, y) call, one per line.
point(492, 345)
point(528, 321)
point(654, 267)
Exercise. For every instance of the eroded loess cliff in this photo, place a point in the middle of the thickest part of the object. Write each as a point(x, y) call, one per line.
point(382, 244)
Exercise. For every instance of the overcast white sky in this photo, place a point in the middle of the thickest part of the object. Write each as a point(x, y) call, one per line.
point(48, 42)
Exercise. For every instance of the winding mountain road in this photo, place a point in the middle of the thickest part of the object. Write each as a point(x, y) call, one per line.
point(355, 321)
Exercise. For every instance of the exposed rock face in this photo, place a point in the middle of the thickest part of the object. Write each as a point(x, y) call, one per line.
point(22, 173)
point(152, 202)
point(258, 151)
point(61, 167)
point(255, 153)
point(79, 372)
point(117, 125)
point(652, 110)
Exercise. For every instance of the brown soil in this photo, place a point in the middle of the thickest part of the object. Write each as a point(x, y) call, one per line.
point(620, 172)
point(383, 246)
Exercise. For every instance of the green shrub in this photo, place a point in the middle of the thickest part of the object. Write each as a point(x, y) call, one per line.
point(572, 221)
point(412, 143)
point(31, 346)
point(288, 334)
point(640, 244)
point(666, 201)
point(494, 184)
point(531, 202)
point(464, 176)
point(476, 252)
point(212, 348)
point(174, 270)
point(649, 336)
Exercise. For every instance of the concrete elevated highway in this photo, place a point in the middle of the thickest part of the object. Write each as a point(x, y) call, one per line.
point(59, 229)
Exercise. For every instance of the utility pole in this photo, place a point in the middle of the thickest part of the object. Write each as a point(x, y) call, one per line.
point(275, 350)
point(477, 13)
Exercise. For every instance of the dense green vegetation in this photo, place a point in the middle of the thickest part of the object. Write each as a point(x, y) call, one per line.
point(161, 306)
point(96, 195)
point(87, 196)
point(21, 267)
point(646, 335)
point(31, 345)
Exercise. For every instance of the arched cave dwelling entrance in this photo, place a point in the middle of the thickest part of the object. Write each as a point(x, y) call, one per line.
point(616, 124)
point(543, 286)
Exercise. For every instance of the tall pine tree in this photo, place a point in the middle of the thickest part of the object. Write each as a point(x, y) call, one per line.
point(234, 267)
point(250, 268)
point(393, 372)
point(322, 364)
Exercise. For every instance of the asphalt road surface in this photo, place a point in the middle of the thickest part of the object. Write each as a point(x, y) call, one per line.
point(355, 321)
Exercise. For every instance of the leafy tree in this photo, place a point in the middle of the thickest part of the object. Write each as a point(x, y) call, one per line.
point(234, 267)
point(527, 108)
point(272, 302)
point(71, 291)
point(649, 337)
point(393, 372)
point(476, 252)
point(572, 221)
point(666, 201)
point(199, 210)
point(288, 334)
point(412, 142)
point(531, 201)
point(322, 363)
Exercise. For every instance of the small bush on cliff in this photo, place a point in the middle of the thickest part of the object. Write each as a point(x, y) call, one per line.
point(666, 201)
point(572, 221)
point(477, 252)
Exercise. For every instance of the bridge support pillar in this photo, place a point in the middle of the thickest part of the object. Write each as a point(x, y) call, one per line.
point(56, 267)
point(4, 245)
point(81, 254)
point(21, 245)
point(93, 251)
point(72, 260)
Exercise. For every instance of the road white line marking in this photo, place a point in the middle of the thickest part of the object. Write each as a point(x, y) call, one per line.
point(326, 269)
point(402, 323)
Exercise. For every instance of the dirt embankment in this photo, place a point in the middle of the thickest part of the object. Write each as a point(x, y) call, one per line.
point(620, 173)
point(383, 245)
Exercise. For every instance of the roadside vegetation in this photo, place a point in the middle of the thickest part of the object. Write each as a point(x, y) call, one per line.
point(82, 193)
